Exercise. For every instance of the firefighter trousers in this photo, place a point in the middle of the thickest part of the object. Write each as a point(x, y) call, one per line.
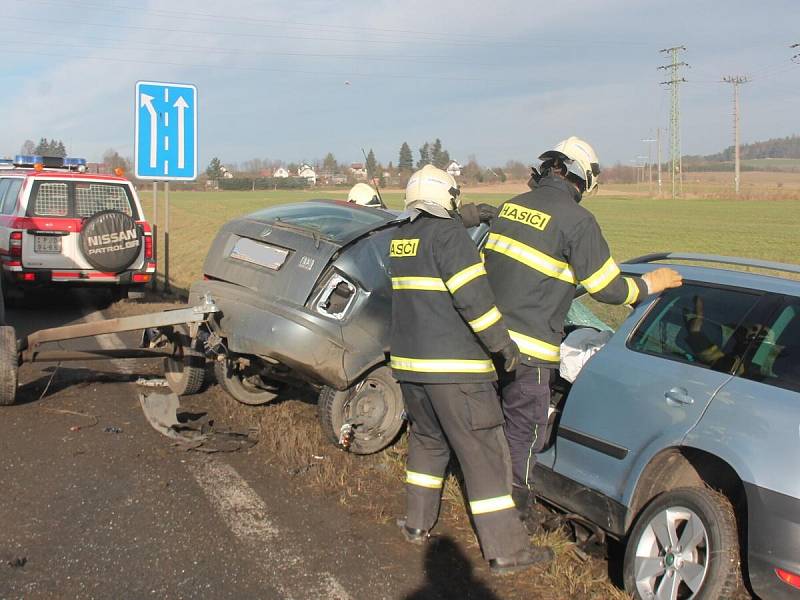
point(526, 400)
point(466, 418)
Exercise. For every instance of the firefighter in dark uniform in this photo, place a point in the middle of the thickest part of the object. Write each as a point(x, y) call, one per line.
point(541, 245)
point(445, 325)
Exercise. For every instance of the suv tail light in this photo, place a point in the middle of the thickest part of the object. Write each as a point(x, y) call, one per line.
point(15, 244)
point(148, 246)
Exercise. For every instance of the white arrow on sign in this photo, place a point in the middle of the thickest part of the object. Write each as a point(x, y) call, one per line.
point(147, 102)
point(181, 105)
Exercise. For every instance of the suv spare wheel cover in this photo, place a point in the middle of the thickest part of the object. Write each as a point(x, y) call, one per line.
point(111, 241)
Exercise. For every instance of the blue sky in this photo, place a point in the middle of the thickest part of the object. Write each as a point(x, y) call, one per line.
point(499, 80)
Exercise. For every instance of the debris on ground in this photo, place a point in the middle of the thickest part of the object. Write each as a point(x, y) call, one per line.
point(152, 382)
point(18, 562)
point(112, 429)
point(93, 418)
point(191, 431)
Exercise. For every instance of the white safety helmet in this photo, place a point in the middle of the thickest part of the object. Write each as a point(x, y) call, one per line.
point(433, 191)
point(579, 158)
point(363, 194)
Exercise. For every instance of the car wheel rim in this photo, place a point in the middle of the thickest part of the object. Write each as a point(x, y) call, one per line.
point(368, 407)
point(672, 555)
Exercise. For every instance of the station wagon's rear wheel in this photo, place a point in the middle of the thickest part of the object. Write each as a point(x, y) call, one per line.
point(374, 407)
point(185, 370)
point(245, 387)
point(9, 362)
point(684, 545)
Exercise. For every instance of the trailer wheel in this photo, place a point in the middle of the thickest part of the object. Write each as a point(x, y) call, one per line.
point(251, 389)
point(185, 370)
point(374, 406)
point(8, 365)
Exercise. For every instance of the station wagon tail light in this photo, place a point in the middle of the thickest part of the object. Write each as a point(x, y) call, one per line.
point(15, 243)
point(791, 578)
point(334, 297)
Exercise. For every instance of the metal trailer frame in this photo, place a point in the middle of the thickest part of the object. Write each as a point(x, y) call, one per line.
point(29, 348)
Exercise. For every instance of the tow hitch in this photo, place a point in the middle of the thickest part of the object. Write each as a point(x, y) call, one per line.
point(14, 353)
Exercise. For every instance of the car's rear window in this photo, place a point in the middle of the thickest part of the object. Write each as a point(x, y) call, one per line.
point(338, 222)
point(80, 199)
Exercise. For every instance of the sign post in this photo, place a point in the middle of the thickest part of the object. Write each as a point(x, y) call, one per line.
point(165, 143)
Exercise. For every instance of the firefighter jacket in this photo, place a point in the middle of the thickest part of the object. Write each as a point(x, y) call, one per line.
point(541, 245)
point(444, 320)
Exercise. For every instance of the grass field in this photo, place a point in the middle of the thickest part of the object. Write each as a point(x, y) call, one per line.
point(634, 225)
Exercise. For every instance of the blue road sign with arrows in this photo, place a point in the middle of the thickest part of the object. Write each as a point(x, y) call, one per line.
point(165, 142)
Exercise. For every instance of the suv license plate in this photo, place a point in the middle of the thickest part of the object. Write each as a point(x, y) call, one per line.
point(47, 244)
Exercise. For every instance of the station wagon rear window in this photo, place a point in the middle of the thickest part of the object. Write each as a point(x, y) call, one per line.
point(91, 198)
point(337, 222)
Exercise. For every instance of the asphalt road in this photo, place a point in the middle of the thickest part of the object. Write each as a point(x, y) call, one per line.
point(94, 503)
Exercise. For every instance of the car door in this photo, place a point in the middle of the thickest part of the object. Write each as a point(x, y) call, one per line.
point(649, 386)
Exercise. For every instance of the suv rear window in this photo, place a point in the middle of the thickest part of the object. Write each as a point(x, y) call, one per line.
point(707, 326)
point(91, 198)
point(79, 199)
point(9, 194)
point(338, 222)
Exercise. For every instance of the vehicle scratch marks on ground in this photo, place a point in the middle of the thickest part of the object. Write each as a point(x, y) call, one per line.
point(246, 515)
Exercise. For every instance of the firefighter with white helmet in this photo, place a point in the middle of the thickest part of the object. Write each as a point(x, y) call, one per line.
point(541, 245)
point(444, 326)
point(364, 195)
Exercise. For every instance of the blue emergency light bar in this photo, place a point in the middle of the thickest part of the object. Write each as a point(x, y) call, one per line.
point(50, 162)
point(6, 162)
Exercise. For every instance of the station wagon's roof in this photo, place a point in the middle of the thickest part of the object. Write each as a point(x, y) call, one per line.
point(723, 276)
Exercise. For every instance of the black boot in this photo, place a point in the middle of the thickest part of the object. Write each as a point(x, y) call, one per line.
point(413, 536)
point(535, 555)
point(524, 501)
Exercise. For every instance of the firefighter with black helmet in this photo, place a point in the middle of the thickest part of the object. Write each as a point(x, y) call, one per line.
point(445, 326)
point(542, 244)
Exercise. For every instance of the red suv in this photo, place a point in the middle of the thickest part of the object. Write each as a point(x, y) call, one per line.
point(60, 225)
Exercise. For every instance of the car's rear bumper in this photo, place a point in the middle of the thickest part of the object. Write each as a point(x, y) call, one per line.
point(773, 533)
point(312, 346)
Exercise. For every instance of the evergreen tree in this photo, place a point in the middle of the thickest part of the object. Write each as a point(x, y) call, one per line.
point(372, 164)
point(406, 159)
point(214, 170)
point(424, 155)
point(329, 163)
point(58, 148)
point(43, 147)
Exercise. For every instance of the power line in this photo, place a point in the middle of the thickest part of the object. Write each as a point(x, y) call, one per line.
point(149, 47)
point(15, 49)
point(736, 81)
point(674, 82)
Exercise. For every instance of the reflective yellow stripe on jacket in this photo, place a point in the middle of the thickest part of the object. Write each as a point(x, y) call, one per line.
point(537, 348)
point(486, 320)
point(530, 257)
point(423, 480)
point(441, 365)
point(633, 291)
point(464, 276)
point(598, 280)
point(431, 284)
point(481, 507)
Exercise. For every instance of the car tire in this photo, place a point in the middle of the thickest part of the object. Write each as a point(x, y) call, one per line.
point(656, 552)
point(239, 387)
point(185, 370)
point(377, 398)
point(9, 364)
